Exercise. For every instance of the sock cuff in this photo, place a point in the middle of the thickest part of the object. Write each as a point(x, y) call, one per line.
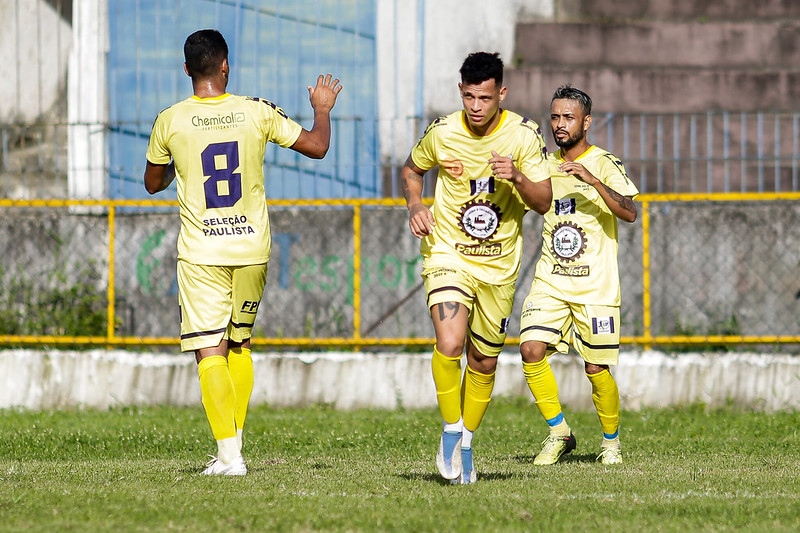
point(602, 374)
point(239, 352)
point(210, 362)
point(480, 376)
point(535, 366)
point(437, 353)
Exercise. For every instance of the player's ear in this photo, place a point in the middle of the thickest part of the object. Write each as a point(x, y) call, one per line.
point(186, 69)
point(587, 121)
point(503, 90)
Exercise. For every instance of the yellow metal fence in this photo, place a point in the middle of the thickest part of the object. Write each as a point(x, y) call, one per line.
point(696, 270)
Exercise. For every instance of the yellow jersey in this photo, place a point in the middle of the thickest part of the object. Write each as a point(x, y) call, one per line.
point(478, 218)
point(218, 146)
point(580, 245)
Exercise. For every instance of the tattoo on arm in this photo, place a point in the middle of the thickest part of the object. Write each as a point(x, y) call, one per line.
point(410, 176)
point(448, 308)
point(623, 201)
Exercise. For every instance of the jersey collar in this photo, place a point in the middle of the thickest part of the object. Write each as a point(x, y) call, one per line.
point(584, 154)
point(465, 124)
point(210, 99)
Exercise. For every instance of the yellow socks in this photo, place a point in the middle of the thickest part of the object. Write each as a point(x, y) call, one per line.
point(477, 395)
point(544, 388)
point(219, 398)
point(447, 379)
point(605, 395)
point(240, 365)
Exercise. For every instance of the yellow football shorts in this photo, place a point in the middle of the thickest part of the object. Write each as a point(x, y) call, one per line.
point(489, 306)
point(593, 329)
point(218, 302)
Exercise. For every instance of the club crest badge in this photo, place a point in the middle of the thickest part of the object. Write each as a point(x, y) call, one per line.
point(480, 219)
point(569, 241)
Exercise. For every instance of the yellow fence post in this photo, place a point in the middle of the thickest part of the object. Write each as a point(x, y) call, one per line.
point(356, 272)
point(110, 329)
point(648, 336)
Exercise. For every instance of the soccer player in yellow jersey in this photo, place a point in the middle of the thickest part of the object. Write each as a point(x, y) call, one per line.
point(492, 170)
point(214, 143)
point(575, 294)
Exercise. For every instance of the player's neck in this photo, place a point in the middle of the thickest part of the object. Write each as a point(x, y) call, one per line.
point(208, 88)
point(487, 128)
point(575, 151)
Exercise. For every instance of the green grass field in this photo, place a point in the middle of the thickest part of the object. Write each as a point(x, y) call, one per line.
point(318, 469)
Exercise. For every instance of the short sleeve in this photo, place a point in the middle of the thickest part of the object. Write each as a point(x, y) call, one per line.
point(533, 162)
point(157, 151)
point(424, 152)
point(616, 177)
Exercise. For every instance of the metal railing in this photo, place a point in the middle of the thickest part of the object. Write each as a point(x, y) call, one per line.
point(684, 280)
point(714, 152)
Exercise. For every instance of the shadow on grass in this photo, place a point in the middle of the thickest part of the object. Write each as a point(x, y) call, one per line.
point(568, 458)
point(436, 478)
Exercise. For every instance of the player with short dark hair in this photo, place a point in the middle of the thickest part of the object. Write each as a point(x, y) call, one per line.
point(575, 294)
point(492, 170)
point(214, 142)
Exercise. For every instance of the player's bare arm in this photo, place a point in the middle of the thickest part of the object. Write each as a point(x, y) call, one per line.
point(158, 177)
point(536, 195)
point(622, 206)
point(314, 143)
point(420, 218)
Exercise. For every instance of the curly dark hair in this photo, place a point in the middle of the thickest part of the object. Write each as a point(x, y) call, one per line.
point(481, 66)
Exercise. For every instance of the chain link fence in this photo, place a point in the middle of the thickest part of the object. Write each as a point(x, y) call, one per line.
point(696, 271)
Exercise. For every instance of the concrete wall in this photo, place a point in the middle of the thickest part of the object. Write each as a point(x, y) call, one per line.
point(36, 43)
point(35, 379)
point(661, 57)
point(421, 46)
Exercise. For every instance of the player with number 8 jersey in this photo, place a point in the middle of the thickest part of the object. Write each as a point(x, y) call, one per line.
point(218, 146)
point(214, 143)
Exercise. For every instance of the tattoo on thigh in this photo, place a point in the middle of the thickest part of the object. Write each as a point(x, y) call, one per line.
point(446, 308)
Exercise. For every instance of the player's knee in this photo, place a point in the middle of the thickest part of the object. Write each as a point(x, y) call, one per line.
point(592, 369)
point(450, 346)
point(479, 362)
point(532, 351)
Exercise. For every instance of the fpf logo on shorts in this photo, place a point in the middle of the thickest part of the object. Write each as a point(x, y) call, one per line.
point(603, 325)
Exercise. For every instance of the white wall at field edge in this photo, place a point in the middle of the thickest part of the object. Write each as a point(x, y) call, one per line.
point(39, 379)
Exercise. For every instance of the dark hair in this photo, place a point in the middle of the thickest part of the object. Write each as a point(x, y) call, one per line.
point(203, 51)
point(568, 92)
point(481, 66)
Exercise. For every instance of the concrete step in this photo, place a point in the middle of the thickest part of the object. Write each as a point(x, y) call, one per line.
point(654, 90)
point(736, 45)
point(742, 10)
